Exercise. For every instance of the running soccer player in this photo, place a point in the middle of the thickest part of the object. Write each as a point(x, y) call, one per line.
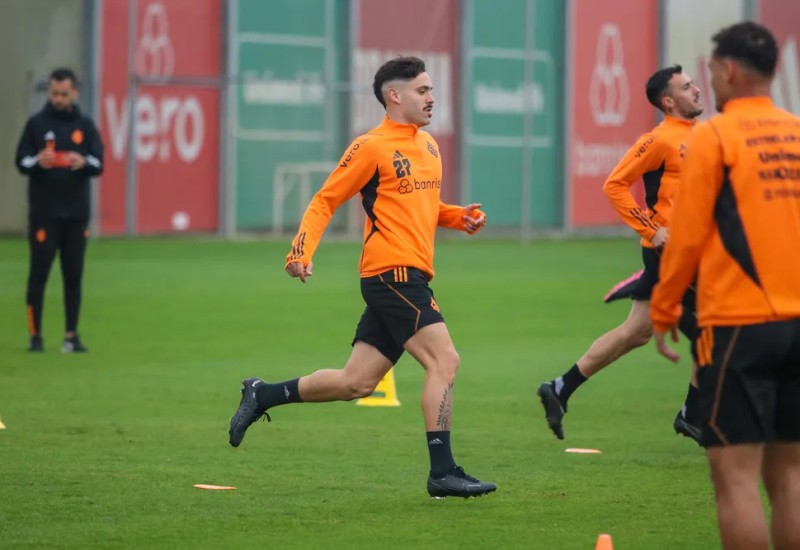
point(656, 159)
point(397, 169)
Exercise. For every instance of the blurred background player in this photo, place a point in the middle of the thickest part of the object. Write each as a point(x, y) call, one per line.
point(737, 225)
point(656, 159)
point(59, 150)
point(398, 171)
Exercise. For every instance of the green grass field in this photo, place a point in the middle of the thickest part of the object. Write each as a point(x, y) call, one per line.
point(102, 450)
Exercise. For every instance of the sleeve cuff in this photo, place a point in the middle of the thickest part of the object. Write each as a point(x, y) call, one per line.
point(662, 322)
point(291, 260)
point(662, 327)
point(648, 234)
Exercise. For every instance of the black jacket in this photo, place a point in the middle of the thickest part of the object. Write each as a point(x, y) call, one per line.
point(60, 192)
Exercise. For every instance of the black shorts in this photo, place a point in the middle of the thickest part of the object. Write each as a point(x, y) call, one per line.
point(399, 303)
point(643, 290)
point(651, 258)
point(750, 383)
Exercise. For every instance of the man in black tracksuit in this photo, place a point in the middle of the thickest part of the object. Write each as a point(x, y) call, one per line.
point(60, 149)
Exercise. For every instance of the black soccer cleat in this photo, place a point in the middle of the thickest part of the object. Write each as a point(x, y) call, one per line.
point(458, 483)
point(36, 343)
point(554, 410)
point(684, 428)
point(248, 411)
point(73, 345)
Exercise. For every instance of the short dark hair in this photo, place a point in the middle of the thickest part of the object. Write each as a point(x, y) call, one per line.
point(658, 84)
point(399, 68)
point(61, 74)
point(749, 43)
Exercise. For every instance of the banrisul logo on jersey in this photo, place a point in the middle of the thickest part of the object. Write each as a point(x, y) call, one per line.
point(405, 187)
point(408, 186)
point(427, 184)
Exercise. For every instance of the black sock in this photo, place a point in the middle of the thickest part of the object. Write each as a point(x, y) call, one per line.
point(282, 393)
point(441, 455)
point(689, 409)
point(568, 383)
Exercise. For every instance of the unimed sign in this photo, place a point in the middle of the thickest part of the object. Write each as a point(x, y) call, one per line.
point(614, 51)
point(172, 129)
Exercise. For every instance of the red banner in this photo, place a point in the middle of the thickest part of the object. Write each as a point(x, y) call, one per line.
point(614, 51)
point(783, 19)
point(435, 41)
point(176, 130)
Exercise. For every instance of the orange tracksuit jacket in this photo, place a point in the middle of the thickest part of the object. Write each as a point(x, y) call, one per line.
point(737, 221)
point(398, 171)
point(656, 158)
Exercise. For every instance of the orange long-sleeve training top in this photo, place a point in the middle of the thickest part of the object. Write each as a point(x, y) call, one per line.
point(398, 171)
point(737, 220)
point(657, 159)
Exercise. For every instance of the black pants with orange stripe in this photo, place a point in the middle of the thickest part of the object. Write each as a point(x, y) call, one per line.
point(749, 380)
point(45, 238)
point(399, 303)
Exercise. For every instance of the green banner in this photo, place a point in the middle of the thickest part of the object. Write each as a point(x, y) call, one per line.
point(513, 90)
point(287, 116)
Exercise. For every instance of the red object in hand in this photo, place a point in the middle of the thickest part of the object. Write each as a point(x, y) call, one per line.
point(62, 159)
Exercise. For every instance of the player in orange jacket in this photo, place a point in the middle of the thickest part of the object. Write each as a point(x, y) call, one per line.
point(397, 169)
point(656, 159)
point(737, 226)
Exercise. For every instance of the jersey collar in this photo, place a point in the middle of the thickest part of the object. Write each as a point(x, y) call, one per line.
point(398, 128)
point(675, 121)
point(742, 103)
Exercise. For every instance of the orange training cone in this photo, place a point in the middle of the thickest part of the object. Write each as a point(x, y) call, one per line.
point(604, 543)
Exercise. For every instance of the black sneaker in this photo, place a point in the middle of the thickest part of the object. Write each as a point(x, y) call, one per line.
point(554, 410)
point(458, 484)
point(36, 343)
point(684, 428)
point(248, 411)
point(73, 345)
